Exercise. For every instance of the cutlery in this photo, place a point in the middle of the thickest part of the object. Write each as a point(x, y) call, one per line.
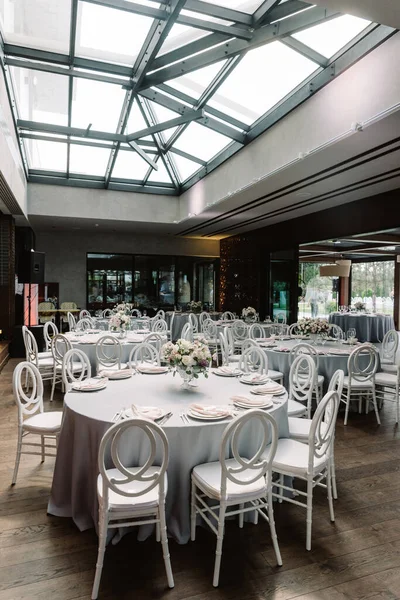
point(116, 416)
point(165, 418)
point(184, 418)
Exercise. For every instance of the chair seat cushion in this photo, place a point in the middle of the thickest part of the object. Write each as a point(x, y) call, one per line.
point(118, 502)
point(45, 421)
point(234, 358)
point(389, 368)
point(320, 379)
point(75, 367)
point(389, 379)
point(274, 374)
point(45, 362)
point(208, 477)
point(292, 457)
point(299, 429)
point(296, 409)
point(42, 355)
point(355, 384)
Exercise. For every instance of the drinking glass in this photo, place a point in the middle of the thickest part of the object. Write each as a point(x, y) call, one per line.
point(351, 335)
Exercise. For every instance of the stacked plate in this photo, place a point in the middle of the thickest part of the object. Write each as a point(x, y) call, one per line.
point(154, 413)
point(254, 378)
point(248, 403)
point(89, 385)
point(116, 373)
point(206, 412)
point(151, 369)
point(227, 371)
point(271, 388)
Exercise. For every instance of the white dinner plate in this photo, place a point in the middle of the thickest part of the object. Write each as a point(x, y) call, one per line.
point(267, 404)
point(248, 380)
point(233, 373)
point(122, 374)
point(156, 412)
point(149, 371)
point(280, 392)
point(203, 417)
point(100, 386)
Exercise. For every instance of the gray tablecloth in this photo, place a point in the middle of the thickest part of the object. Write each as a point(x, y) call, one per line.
point(328, 363)
point(88, 416)
point(369, 328)
point(181, 319)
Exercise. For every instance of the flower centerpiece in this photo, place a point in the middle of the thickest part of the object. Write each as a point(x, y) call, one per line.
point(312, 327)
point(249, 314)
point(194, 306)
point(359, 306)
point(120, 321)
point(123, 307)
point(189, 359)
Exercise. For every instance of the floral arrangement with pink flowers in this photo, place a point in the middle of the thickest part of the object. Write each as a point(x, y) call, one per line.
point(309, 325)
point(192, 357)
point(119, 321)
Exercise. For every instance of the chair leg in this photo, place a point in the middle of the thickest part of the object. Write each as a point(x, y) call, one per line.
point(193, 514)
point(375, 406)
point(271, 519)
point(309, 512)
point(397, 403)
point(53, 385)
point(333, 475)
point(281, 478)
point(100, 553)
point(158, 534)
point(165, 548)
point(18, 456)
point(220, 539)
point(43, 448)
point(329, 487)
point(241, 516)
point(256, 516)
point(346, 415)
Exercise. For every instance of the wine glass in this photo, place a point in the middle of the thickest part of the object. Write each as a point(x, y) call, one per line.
point(351, 335)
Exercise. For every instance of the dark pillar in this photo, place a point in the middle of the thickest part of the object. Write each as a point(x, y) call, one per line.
point(7, 274)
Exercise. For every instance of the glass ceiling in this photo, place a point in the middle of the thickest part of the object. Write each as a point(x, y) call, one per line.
point(147, 95)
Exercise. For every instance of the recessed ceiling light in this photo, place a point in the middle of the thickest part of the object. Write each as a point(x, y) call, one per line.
point(96, 225)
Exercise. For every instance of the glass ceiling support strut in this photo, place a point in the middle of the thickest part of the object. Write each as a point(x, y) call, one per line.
point(261, 15)
point(72, 38)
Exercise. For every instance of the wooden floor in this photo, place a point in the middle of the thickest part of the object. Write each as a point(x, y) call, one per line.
point(44, 557)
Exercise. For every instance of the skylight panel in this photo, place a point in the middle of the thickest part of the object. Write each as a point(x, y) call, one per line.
point(196, 82)
point(88, 160)
point(97, 103)
point(248, 6)
point(129, 165)
point(261, 79)
point(328, 38)
point(41, 96)
point(50, 156)
point(41, 24)
point(186, 168)
point(201, 141)
point(109, 34)
point(161, 175)
point(179, 36)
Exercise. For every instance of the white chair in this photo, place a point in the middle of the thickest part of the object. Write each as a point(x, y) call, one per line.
point(135, 312)
point(71, 321)
point(249, 343)
point(159, 326)
point(255, 360)
point(46, 306)
point(228, 316)
point(109, 353)
point(143, 353)
point(31, 418)
point(84, 324)
point(240, 331)
point(42, 361)
point(160, 314)
point(304, 348)
point(236, 481)
point(310, 462)
point(336, 332)
point(389, 350)
point(187, 332)
point(75, 367)
point(302, 377)
point(60, 345)
point(227, 357)
point(256, 331)
point(66, 306)
point(359, 384)
point(49, 331)
point(387, 385)
point(107, 312)
point(155, 340)
point(130, 495)
point(280, 317)
point(202, 317)
point(83, 314)
point(195, 326)
point(299, 429)
point(293, 329)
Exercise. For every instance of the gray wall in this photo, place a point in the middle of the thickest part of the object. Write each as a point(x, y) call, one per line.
point(66, 254)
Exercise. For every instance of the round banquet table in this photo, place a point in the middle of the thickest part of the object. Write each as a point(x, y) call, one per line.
point(87, 416)
point(180, 319)
point(87, 343)
point(369, 328)
point(328, 363)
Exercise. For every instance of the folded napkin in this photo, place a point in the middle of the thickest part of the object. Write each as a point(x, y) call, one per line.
point(256, 377)
point(282, 349)
point(148, 412)
point(228, 370)
point(209, 410)
point(253, 402)
point(152, 368)
point(269, 388)
point(134, 338)
point(89, 384)
point(115, 373)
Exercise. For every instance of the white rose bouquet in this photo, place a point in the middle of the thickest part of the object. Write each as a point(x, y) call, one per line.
point(195, 306)
point(249, 313)
point(120, 321)
point(124, 307)
point(359, 306)
point(191, 357)
point(312, 326)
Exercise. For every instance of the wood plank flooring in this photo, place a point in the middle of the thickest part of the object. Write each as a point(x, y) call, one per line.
point(357, 557)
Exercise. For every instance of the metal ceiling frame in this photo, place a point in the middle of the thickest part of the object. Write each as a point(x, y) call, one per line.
point(230, 34)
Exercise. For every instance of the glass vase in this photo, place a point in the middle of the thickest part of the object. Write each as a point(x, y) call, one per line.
point(187, 378)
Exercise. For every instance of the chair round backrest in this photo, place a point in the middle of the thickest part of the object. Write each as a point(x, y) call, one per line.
point(336, 382)
point(49, 331)
point(322, 430)
point(202, 317)
point(31, 347)
point(224, 348)
point(71, 321)
point(256, 331)
point(193, 322)
point(28, 399)
point(60, 345)
point(210, 329)
point(280, 317)
point(253, 360)
point(302, 378)
point(83, 314)
point(229, 340)
point(187, 332)
point(155, 340)
point(70, 372)
point(293, 329)
point(228, 316)
point(135, 312)
point(108, 351)
point(68, 306)
point(152, 437)
point(249, 343)
point(239, 330)
point(363, 363)
point(159, 326)
point(389, 346)
point(304, 348)
point(84, 324)
point(248, 470)
point(144, 353)
point(107, 312)
point(336, 332)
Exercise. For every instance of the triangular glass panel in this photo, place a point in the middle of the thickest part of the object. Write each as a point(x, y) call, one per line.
point(161, 175)
point(196, 82)
point(163, 114)
point(186, 167)
point(329, 37)
point(136, 120)
point(201, 141)
point(179, 36)
point(129, 165)
point(247, 6)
